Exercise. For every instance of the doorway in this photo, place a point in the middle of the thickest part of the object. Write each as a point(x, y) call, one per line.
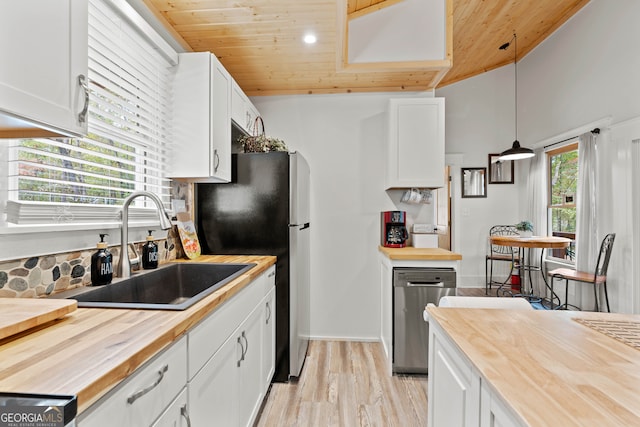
point(443, 214)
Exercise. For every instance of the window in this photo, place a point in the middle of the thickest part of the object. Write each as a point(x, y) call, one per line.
point(126, 149)
point(563, 185)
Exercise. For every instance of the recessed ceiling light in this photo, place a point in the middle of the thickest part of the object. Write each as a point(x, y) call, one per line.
point(310, 38)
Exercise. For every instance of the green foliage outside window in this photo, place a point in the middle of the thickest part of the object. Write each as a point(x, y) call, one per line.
point(563, 182)
point(76, 171)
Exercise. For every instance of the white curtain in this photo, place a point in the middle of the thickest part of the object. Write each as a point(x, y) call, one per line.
point(537, 206)
point(587, 244)
point(537, 193)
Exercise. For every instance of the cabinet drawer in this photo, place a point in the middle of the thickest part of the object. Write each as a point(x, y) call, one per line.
point(141, 398)
point(269, 279)
point(206, 338)
point(176, 414)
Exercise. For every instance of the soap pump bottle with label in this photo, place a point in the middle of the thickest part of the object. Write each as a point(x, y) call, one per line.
point(101, 264)
point(150, 253)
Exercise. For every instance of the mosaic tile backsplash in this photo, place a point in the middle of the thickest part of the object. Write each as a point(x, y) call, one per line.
point(45, 275)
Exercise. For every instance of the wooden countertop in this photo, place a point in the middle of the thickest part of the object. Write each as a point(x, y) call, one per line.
point(424, 254)
point(91, 350)
point(552, 370)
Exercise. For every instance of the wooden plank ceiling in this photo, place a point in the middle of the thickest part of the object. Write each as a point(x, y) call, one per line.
point(260, 41)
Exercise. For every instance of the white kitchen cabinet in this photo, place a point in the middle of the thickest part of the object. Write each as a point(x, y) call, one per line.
point(227, 353)
point(213, 393)
point(144, 396)
point(45, 63)
point(269, 338)
point(454, 389)
point(458, 395)
point(494, 412)
point(177, 414)
point(251, 390)
point(243, 112)
point(201, 119)
point(415, 151)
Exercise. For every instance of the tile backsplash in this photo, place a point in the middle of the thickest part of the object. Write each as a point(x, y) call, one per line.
point(45, 275)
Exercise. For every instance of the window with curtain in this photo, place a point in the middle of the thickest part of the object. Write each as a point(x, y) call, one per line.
point(126, 149)
point(562, 189)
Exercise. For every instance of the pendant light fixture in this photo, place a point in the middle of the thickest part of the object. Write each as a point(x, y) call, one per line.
point(516, 152)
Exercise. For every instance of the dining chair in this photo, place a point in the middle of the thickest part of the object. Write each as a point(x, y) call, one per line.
point(596, 278)
point(499, 253)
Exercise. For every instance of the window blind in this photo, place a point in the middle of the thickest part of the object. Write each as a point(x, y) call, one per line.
point(126, 149)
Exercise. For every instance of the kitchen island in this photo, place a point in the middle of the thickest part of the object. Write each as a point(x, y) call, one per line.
point(533, 368)
point(410, 257)
point(90, 351)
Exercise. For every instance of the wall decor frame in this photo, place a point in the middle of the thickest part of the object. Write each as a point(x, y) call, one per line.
point(474, 182)
point(500, 171)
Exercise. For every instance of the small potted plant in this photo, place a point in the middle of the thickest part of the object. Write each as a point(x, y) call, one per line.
point(525, 228)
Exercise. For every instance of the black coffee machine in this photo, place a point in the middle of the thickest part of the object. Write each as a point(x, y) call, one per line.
point(393, 232)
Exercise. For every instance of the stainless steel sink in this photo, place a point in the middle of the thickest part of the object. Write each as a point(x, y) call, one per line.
point(172, 287)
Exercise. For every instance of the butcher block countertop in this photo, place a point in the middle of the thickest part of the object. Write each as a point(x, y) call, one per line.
point(424, 254)
point(89, 351)
point(550, 367)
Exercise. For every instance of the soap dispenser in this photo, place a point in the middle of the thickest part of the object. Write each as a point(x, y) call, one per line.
point(150, 253)
point(101, 264)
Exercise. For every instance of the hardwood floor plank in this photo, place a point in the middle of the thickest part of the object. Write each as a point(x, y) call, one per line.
point(344, 384)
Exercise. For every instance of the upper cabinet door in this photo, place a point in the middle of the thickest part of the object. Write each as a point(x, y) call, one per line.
point(201, 119)
point(43, 71)
point(416, 143)
point(243, 112)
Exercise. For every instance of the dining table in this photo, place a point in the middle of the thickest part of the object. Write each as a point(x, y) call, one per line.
point(525, 244)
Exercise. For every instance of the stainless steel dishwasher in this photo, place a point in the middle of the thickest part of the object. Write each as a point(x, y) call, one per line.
point(413, 288)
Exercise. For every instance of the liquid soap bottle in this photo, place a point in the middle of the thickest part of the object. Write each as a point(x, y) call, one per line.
point(101, 264)
point(150, 253)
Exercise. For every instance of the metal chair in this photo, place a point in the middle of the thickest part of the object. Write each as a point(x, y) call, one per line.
point(598, 277)
point(499, 253)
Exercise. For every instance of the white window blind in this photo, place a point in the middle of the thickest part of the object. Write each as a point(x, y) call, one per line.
point(86, 179)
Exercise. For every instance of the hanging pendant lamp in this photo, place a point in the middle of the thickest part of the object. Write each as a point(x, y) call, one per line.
point(516, 152)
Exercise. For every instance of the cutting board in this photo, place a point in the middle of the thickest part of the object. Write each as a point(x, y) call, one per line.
point(19, 314)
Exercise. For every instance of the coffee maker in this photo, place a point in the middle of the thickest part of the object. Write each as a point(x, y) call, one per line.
point(393, 229)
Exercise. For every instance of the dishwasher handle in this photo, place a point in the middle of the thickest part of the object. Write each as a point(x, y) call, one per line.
point(439, 284)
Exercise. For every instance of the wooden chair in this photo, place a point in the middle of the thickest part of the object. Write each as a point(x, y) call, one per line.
point(598, 277)
point(499, 253)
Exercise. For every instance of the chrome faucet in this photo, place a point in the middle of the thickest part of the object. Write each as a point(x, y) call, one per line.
point(124, 267)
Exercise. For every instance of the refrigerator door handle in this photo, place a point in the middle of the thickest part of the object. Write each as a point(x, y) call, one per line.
point(302, 226)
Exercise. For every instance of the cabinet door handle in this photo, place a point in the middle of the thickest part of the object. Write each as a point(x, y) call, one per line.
point(242, 350)
point(273, 273)
point(246, 348)
point(82, 82)
point(268, 313)
point(138, 394)
point(185, 414)
point(216, 160)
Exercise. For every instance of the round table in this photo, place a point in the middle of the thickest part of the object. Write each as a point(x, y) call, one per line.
point(533, 242)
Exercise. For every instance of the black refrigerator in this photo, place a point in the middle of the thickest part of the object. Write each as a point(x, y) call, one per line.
point(264, 210)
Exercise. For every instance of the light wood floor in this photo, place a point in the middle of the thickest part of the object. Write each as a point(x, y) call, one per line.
point(344, 384)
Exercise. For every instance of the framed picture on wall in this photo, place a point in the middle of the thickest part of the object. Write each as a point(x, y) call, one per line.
point(500, 171)
point(474, 182)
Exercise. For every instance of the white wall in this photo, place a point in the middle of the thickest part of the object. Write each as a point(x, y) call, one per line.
point(343, 138)
point(479, 121)
point(586, 71)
